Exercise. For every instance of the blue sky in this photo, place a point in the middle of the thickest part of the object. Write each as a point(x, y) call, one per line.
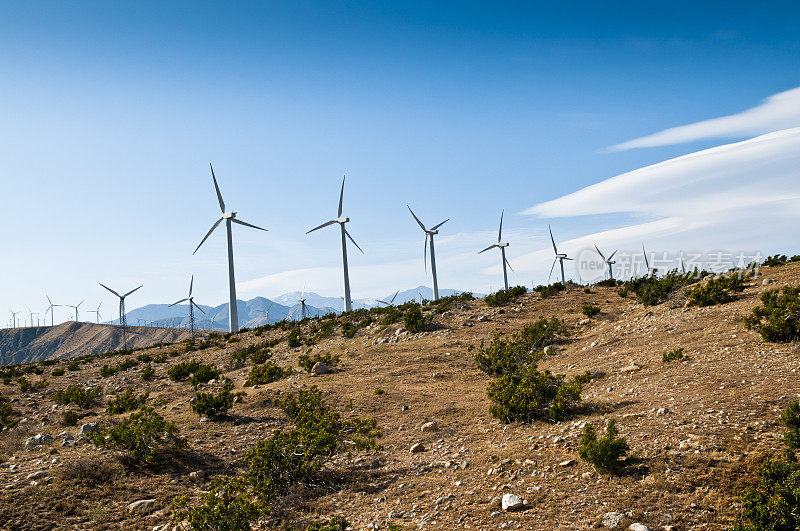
point(112, 112)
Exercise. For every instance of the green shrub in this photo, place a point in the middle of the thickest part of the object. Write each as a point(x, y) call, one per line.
point(140, 435)
point(503, 297)
point(70, 418)
point(214, 405)
point(672, 355)
point(550, 289)
point(128, 363)
point(293, 340)
point(74, 366)
point(181, 371)
point(604, 453)
point(267, 373)
point(791, 419)
point(24, 385)
point(307, 362)
point(590, 310)
point(7, 414)
point(607, 283)
point(148, 372)
point(204, 374)
point(336, 523)
point(226, 506)
point(775, 260)
point(125, 402)
point(529, 395)
point(655, 290)
point(106, 371)
point(144, 358)
point(778, 320)
point(717, 290)
point(57, 372)
point(413, 319)
point(379, 391)
point(505, 356)
point(84, 397)
point(161, 357)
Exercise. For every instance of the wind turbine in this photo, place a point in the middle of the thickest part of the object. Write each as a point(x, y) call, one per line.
point(430, 233)
point(192, 305)
point(650, 270)
point(122, 321)
point(228, 217)
point(303, 307)
point(502, 246)
point(266, 312)
point(32, 314)
point(683, 266)
point(560, 257)
point(97, 312)
point(608, 262)
point(76, 309)
point(391, 301)
point(341, 221)
point(50, 309)
point(13, 318)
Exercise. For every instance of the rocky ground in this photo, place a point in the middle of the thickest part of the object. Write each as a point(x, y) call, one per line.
point(697, 426)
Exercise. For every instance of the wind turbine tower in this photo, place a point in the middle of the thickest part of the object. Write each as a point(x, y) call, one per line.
point(560, 257)
point(13, 318)
point(122, 321)
point(75, 308)
point(609, 262)
point(97, 312)
point(341, 221)
point(192, 305)
point(502, 246)
point(229, 218)
point(430, 233)
point(50, 309)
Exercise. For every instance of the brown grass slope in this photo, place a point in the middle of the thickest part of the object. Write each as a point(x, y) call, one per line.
point(66, 340)
point(697, 425)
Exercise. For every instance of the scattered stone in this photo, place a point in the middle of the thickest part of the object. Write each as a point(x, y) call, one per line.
point(568, 462)
point(197, 475)
point(142, 506)
point(482, 318)
point(496, 502)
point(319, 367)
point(767, 281)
point(88, 428)
point(584, 322)
point(36, 475)
point(417, 448)
point(430, 426)
point(630, 368)
point(404, 408)
point(37, 440)
point(612, 520)
point(662, 411)
point(638, 527)
point(512, 502)
point(549, 349)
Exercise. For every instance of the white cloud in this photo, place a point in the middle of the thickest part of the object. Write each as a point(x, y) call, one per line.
point(779, 111)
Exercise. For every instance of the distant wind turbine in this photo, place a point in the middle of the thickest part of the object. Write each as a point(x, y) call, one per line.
point(75, 308)
point(228, 217)
point(502, 246)
point(32, 314)
point(266, 312)
point(13, 318)
point(683, 266)
point(391, 301)
point(192, 305)
point(430, 233)
point(97, 312)
point(122, 321)
point(303, 307)
point(609, 262)
point(560, 257)
point(50, 309)
point(650, 270)
point(341, 221)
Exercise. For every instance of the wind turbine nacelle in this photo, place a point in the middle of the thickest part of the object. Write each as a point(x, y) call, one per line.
point(501, 245)
point(561, 256)
point(432, 232)
point(342, 220)
point(228, 215)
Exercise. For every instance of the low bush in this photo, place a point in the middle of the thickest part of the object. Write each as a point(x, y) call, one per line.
point(293, 340)
point(57, 372)
point(606, 452)
point(70, 418)
point(506, 356)
point(267, 373)
point(379, 391)
point(549, 290)
point(140, 436)
point(672, 355)
point(148, 372)
point(125, 402)
point(653, 290)
point(413, 319)
point(7, 414)
point(504, 296)
point(590, 310)
point(528, 394)
point(144, 357)
point(307, 362)
point(214, 405)
point(24, 385)
point(778, 319)
point(775, 260)
point(84, 397)
point(204, 374)
point(717, 290)
point(336, 523)
point(183, 370)
point(74, 366)
point(161, 357)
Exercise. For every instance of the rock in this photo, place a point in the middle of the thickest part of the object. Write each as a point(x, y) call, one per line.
point(404, 408)
point(662, 411)
point(511, 502)
point(549, 349)
point(612, 520)
point(584, 322)
point(429, 426)
point(37, 440)
point(568, 462)
point(495, 513)
point(36, 475)
point(630, 368)
point(482, 318)
point(767, 281)
point(638, 527)
point(496, 502)
point(88, 428)
point(417, 448)
point(142, 506)
point(320, 367)
point(197, 475)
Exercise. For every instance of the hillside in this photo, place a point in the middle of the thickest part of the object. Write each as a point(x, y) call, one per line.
point(697, 427)
point(37, 343)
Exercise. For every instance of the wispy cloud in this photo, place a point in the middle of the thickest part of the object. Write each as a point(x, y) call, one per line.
point(779, 111)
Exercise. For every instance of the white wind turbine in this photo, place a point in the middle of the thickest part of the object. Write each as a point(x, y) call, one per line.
point(651, 271)
point(430, 233)
point(303, 307)
point(50, 309)
point(683, 265)
point(502, 246)
point(266, 312)
point(97, 312)
point(391, 301)
point(13, 318)
point(560, 257)
point(609, 262)
point(348, 305)
point(122, 320)
point(192, 305)
point(75, 308)
point(32, 314)
point(229, 218)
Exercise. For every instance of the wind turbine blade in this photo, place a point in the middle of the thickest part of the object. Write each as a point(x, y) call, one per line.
point(509, 266)
point(612, 255)
point(490, 247)
point(551, 269)
point(500, 232)
point(131, 291)
point(270, 305)
point(394, 297)
point(352, 240)
point(240, 222)
point(331, 222)
point(341, 198)
point(416, 218)
point(646, 264)
point(109, 289)
point(440, 224)
point(568, 258)
point(196, 306)
point(552, 239)
point(180, 301)
point(216, 186)
point(602, 255)
point(51, 302)
point(80, 303)
point(214, 226)
point(191, 283)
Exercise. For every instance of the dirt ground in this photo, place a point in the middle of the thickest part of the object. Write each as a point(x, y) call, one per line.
point(696, 426)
